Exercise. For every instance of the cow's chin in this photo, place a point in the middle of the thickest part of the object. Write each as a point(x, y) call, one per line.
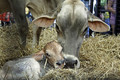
point(71, 61)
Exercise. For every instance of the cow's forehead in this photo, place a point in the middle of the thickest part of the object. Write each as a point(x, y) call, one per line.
point(74, 2)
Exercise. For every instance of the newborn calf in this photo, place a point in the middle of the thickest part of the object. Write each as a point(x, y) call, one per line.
point(52, 53)
point(32, 68)
point(21, 69)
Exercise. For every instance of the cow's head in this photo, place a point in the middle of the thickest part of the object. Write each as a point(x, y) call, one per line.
point(71, 24)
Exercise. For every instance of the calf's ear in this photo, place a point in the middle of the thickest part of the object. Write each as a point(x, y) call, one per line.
point(97, 24)
point(44, 21)
point(39, 55)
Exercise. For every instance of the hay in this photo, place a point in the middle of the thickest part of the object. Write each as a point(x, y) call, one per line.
point(99, 56)
point(10, 42)
point(61, 74)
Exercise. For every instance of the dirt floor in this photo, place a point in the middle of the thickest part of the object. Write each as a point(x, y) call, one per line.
point(99, 56)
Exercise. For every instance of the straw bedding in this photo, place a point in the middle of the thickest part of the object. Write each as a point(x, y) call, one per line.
point(100, 60)
point(99, 56)
point(10, 42)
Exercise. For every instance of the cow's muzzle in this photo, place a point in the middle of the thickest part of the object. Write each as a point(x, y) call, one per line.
point(71, 61)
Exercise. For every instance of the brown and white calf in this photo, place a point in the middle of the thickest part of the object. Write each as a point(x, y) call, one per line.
point(34, 66)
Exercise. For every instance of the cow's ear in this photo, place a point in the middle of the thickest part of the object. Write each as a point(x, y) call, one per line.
point(97, 24)
point(44, 21)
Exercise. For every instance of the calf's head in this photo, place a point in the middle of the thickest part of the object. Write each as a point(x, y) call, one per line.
point(53, 53)
point(71, 24)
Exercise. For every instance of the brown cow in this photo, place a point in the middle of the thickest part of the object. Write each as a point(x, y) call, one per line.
point(72, 20)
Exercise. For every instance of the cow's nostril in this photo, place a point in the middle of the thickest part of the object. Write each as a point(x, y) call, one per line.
point(76, 62)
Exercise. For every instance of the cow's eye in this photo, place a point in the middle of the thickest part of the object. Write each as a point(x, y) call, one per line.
point(84, 32)
point(85, 9)
point(57, 28)
point(47, 54)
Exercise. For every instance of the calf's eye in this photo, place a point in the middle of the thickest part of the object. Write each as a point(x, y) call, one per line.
point(47, 54)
